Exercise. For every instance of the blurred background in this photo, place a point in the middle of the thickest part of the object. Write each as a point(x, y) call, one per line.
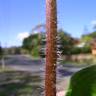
point(23, 44)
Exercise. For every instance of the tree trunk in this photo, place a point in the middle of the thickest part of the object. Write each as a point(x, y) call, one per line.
point(51, 56)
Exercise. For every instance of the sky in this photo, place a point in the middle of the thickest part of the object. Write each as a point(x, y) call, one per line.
point(18, 17)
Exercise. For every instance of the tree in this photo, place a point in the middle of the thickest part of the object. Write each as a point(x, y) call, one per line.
point(2, 57)
point(1, 52)
point(88, 38)
point(31, 44)
point(51, 56)
point(67, 42)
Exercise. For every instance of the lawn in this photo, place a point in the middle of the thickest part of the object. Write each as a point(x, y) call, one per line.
point(90, 61)
point(18, 83)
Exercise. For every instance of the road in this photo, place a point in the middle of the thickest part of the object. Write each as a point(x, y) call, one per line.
point(36, 67)
point(25, 63)
point(21, 62)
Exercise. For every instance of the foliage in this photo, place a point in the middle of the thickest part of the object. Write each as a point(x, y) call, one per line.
point(17, 50)
point(86, 49)
point(88, 37)
point(31, 44)
point(24, 85)
point(78, 50)
point(83, 83)
point(75, 50)
point(67, 42)
point(1, 52)
point(35, 51)
point(93, 34)
point(13, 50)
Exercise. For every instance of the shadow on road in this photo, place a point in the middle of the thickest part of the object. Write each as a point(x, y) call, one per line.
point(18, 83)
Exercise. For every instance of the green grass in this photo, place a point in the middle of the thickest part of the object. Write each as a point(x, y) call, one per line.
point(6, 69)
point(18, 83)
point(91, 61)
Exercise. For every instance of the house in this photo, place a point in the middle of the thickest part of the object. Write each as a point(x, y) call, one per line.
point(93, 46)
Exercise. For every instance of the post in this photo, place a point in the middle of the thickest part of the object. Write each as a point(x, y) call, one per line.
point(51, 56)
point(2, 57)
point(3, 63)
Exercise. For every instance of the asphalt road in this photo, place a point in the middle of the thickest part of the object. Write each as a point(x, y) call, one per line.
point(21, 62)
point(25, 63)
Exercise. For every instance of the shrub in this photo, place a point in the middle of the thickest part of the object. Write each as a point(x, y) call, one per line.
point(78, 50)
point(86, 49)
point(75, 50)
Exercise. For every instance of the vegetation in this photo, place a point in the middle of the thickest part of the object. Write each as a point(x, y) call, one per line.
point(13, 50)
point(87, 38)
point(6, 69)
point(66, 42)
point(19, 83)
point(31, 45)
point(1, 52)
point(83, 83)
point(89, 61)
point(81, 50)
